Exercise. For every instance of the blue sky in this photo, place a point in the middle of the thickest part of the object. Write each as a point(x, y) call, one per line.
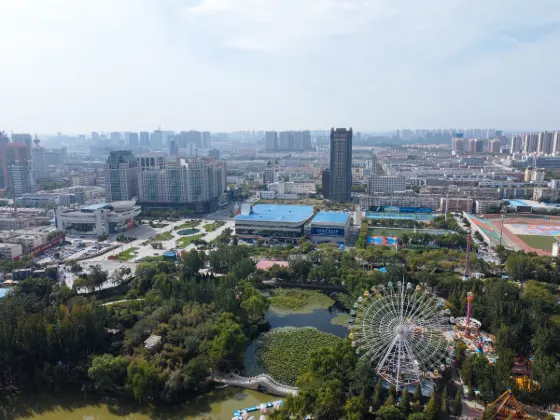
point(82, 65)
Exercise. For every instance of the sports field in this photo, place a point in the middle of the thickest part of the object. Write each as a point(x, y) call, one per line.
point(538, 242)
point(530, 233)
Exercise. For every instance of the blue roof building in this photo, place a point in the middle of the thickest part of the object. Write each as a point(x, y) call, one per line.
point(330, 226)
point(272, 222)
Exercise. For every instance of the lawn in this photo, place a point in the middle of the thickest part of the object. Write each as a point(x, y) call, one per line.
point(538, 242)
point(299, 300)
point(187, 240)
point(126, 255)
point(165, 236)
point(210, 227)
point(283, 352)
point(187, 225)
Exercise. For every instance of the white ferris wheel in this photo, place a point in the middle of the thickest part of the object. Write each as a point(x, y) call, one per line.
point(399, 330)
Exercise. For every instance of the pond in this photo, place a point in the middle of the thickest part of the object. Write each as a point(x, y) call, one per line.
point(186, 232)
point(217, 405)
point(318, 318)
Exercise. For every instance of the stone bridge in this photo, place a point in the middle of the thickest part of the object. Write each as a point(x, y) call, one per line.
point(263, 381)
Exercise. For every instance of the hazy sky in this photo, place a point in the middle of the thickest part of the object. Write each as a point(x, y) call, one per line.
point(82, 65)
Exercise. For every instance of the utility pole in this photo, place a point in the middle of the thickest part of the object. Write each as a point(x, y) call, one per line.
point(502, 229)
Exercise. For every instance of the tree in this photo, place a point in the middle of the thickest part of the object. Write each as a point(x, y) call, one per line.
point(431, 410)
point(144, 380)
point(107, 371)
point(355, 407)
point(488, 413)
point(377, 395)
point(457, 403)
point(389, 412)
point(417, 393)
point(417, 416)
point(460, 351)
point(391, 397)
point(520, 266)
point(404, 403)
point(444, 409)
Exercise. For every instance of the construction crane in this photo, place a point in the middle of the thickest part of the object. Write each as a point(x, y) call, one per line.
point(506, 405)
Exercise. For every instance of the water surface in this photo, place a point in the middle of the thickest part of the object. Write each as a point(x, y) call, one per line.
point(217, 405)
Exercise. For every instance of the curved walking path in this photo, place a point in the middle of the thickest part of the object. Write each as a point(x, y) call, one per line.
point(265, 381)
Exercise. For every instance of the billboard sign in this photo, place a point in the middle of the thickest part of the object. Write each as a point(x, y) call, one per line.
point(318, 231)
point(415, 210)
point(377, 208)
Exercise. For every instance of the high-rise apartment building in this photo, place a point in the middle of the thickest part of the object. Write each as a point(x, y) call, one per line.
point(38, 160)
point(271, 140)
point(17, 173)
point(458, 144)
point(116, 137)
point(214, 153)
point(25, 139)
point(121, 175)
point(206, 140)
point(187, 182)
point(132, 140)
point(144, 139)
point(157, 140)
point(269, 173)
point(531, 142)
point(288, 140)
point(341, 164)
point(173, 148)
point(494, 146)
point(556, 142)
point(95, 136)
point(516, 144)
point(544, 142)
point(325, 182)
point(187, 137)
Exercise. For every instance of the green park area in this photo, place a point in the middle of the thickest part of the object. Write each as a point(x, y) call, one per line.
point(126, 255)
point(283, 352)
point(188, 225)
point(538, 242)
point(187, 240)
point(299, 300)
point(210, 227)
point(164, 236)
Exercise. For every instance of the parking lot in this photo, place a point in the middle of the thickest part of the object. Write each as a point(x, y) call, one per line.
point(78, 247)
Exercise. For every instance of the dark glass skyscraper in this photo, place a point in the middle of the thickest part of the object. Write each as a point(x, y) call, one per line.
point(341, 165)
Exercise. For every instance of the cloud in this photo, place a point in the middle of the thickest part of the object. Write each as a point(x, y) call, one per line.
point(237, 64)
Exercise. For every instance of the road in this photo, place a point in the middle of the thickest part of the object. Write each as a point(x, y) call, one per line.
point(147, 250)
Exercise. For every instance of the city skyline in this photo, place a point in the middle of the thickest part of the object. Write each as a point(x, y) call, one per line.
point(77, 67)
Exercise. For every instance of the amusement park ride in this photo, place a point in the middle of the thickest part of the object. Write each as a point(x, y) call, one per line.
point(400, 330)
point(506, 405)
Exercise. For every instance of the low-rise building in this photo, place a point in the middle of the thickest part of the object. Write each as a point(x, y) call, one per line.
point(482, 206)
point(330, 227)
point(10, 251)
point(456, 204)
point(386, 184)
point(272, 222)
point(98, 219)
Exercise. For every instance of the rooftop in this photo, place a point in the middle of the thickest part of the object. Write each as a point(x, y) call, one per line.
point(277, 213)
point(331, 217)
point(96, 206)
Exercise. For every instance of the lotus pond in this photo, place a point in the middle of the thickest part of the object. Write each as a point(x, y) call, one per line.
point(299, 301)
point(283, 352)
